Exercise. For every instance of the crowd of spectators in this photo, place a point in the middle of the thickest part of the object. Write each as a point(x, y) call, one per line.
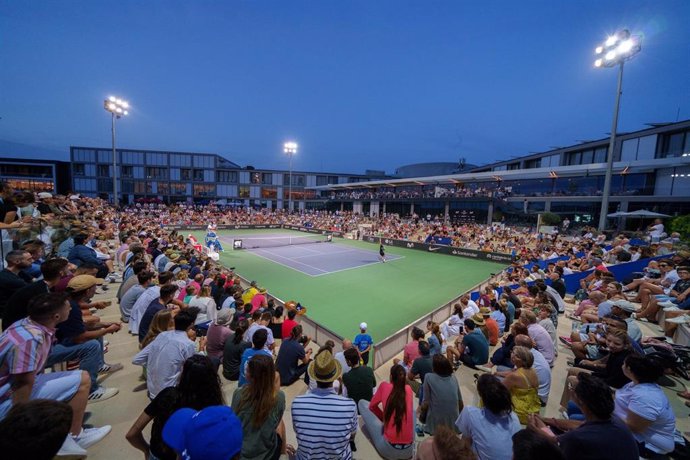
point(403, 193)
point(198, 325)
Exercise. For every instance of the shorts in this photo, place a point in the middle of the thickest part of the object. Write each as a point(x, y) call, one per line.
point(58, 386)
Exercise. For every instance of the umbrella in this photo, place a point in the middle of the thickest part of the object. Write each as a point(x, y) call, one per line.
point(643, 213)
point(618, 214)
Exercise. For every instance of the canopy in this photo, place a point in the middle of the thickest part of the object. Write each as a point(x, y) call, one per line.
point(642, 213)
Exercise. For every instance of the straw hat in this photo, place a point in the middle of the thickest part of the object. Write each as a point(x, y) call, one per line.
point(478, 319)
point(324, 368)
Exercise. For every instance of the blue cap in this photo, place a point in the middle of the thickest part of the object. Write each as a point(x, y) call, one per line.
point(213, 433)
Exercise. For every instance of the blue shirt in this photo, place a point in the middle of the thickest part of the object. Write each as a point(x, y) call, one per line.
point(246, 356)
point(491, 434)
point(362, 342)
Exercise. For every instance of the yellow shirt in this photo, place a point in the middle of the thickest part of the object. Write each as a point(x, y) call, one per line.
point(249, 295)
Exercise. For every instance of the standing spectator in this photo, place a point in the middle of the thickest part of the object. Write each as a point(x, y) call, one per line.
point(363, 342)
point(260, 405)
point(359, 380)
point(471, 348)
point(198, 388)
point(258, 348)
point(10, 279)
point(489, 428)
point(15, 309)
point(232, 353)
point(165, 356)
point(389, 417)
point(441, 402)
point(324, 422)
point(24, 349)
point(293, 359)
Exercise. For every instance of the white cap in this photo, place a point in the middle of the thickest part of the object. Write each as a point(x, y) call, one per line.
point(362, 325)
point(45, 195)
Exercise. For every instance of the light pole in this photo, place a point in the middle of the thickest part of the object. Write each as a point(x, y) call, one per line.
point(117, 108)
point(617, 49)
point(290, 148)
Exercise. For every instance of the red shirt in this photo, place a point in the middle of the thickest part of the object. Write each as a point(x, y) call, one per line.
point(287, 327)
point(492, 327)
point(406, 435)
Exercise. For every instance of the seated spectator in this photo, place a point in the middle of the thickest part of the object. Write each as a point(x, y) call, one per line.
point(544, 320)
point(491, 325)
point(293, 359)
point(217, 335)
point(540, 365)
point(601, 307)
point(530, 445)
point(165, 356)
point(420, 367)
point(206, 305)
point(454, 325)
point(499, 314)
point(677, 297)
point(260, 405)
point(325, 423)
point(542, 339)
point(232, 353)
point(523, 384)
point(624, 310)
point(214, 433)
point(79, 340)
point(600, 433)
point(167, 294)
point(129, 298)
point(359, 380)
point(501, 356)
point(388, 419)
point(643, 406)
point(198, 388)
point(444, 445)
point(441, 402)
point(258, 348)
point(471, 348)
point(11, 279)
point(489, 428)
point(436, 339)
point(81, 253)
point(276, 324)
point(162, 321)
point(36, 429)
point(26, 345)
point(260, 322)
point(411, 349)
point(52, 271)
point(289, 323)
point(469, 307)
point(152, 292)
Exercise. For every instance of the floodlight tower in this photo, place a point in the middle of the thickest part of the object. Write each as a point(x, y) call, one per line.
point(290, 148)
point(617, 49)
point(117, 108)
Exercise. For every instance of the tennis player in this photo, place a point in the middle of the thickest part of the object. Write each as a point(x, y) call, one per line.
point(382, 252)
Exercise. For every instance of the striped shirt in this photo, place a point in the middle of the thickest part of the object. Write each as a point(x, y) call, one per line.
point(323, 422)
point(24, 348)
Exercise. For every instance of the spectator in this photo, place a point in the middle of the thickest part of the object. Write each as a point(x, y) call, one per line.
point(162, 321)
point(198, 388)
point(165, 356)
point(363, 342)
point(435, 338)
point(167, 293)
point(490, 427)
point(340, 356)
point(420, 367)
point(15, 309)
point(260, 322)
point(540, 366)
point(492, 327)
point(471, 348)
point(389, 418)
point(292, 360)
point(444, 445)
point(442, 401)
point(544, 320)
point(149, 295)
point(498, 314)
point(359, 380)
point(130, 297)
point(232, 353)
point(324, 423)
point(259, 300)
point(258, 348)
point(469, 307)
point(411, 350)
point(214, 433)
point(206, 305)
point(218, 333)
point(530, 445)
point(24, 350)
point(260, 405)
point(523, 384)
point(289, 323)
point(35, 429)
point(542, 339)
point(600, 433)
point(10, 279)
point(81, 253)
point(453, 326)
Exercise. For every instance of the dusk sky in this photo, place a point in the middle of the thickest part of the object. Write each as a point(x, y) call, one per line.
point(358, 84)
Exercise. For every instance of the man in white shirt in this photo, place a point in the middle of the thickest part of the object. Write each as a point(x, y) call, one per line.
point(261, 321)
point(656, 231)
point(340, 356)
point(469, 307)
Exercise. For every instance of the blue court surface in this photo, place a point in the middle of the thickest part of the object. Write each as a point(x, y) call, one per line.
point(314, 259)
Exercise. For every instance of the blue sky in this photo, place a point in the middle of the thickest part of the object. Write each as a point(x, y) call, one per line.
point(358, 84)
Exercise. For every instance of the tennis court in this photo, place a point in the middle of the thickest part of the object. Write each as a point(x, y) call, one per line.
point(347, 284)
point(308, 254)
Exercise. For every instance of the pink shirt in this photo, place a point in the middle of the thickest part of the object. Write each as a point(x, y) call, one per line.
point(215, 340)
point(411, 352)
point(406, 435)
point(258, 301)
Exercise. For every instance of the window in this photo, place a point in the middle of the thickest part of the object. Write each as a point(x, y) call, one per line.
point(127, 171)
point(587, 157)
point(140, 188)
point(186, 174)
point(103, 170)
point(203, 161)
point(647, 147)
point(513, 166)
point(177, 188)
point(105, 185)
point(255, 178)
point(266, 178)
point(198, 175)
point(244, 191)
point(321, 180)
point(84, 155)
point(78, 169)
point(672, 145)
point(105, 156)
point(180, 160)
point(136, 158)
point(226, 176)
point(127, 186)
point(204, 190)
point(574, 158)
point(269, 192)
point(297, 180)
point(85, 185)
point(534, 163)
point(157, 159)
point(226, 191)
point(600, 155)
point(156, 173)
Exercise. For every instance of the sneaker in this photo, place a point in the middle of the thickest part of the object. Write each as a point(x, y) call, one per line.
point(102, 393)
point(667, 304)
point(353, 446)
point(684, 319)
point(644, 320)
point(485, 369)
point(565, 340)
point(420, 432)
point(110, 368)
point(674, 308)
point(90, 436)
point(71, 449)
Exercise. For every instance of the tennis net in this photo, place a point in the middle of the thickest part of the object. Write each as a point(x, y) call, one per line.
point(275, 241)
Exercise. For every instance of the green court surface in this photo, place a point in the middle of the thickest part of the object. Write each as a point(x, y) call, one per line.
point(386, 296)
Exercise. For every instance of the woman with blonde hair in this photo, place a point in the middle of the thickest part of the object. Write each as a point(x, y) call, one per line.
point(162, 321)
point(523, 383)
point(206, 305)
point(260, 405)
point(435, 339)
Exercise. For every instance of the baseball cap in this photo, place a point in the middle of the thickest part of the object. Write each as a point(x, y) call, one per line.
point(83, 282)
point(43, 195)
point(213, 433)
point(362, 325)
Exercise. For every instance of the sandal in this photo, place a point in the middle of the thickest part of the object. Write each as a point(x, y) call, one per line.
point(685, 394)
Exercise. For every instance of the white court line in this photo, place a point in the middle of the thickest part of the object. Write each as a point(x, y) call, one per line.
point(284, 265)
point(317, 253)
point(290, 259)
point(358, 266)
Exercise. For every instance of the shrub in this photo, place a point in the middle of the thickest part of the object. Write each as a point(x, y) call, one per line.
point(681, 224)
point(549, 218)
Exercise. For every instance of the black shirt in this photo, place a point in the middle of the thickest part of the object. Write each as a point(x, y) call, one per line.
point(145, 323)
point(9, 284)
point(160, 409)
point(291, 351)
point(559, 286)
point(599, 441)
point(6, 205)
point(232, 357)
point(16, 304)
point(73, 325)
point(613, 374)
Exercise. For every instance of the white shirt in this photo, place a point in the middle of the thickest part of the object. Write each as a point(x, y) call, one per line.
point(255, 327)
point(163, 359)
point(470, 310)
point(207, 309)
point(656, 231)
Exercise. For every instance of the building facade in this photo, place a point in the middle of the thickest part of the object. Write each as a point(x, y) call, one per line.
point(194, 177)
point(35, 175)
point(651, 171)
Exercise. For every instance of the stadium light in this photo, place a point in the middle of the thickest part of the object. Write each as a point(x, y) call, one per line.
point(617, 49)
point(290, 148)
point(117, 108)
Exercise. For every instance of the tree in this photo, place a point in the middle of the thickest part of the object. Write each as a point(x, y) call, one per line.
point(549, 218)
point(681, 224)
